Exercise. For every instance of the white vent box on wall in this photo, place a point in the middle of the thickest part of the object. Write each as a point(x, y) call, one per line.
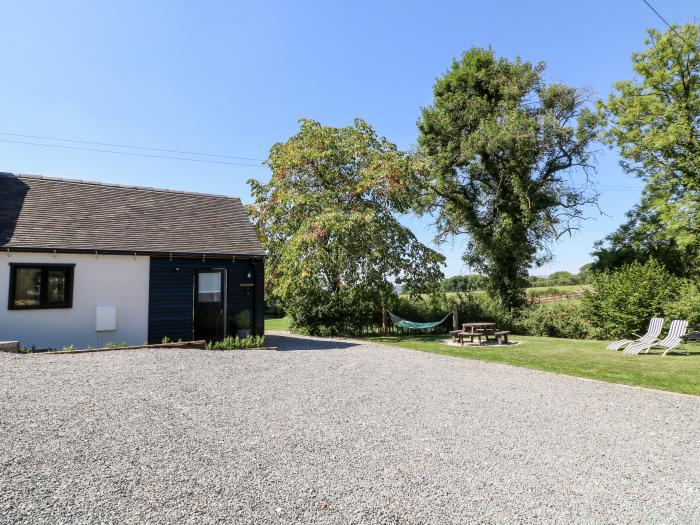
point(106, 319)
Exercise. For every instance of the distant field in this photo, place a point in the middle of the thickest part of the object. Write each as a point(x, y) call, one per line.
point(541, 290)
point(537, 290)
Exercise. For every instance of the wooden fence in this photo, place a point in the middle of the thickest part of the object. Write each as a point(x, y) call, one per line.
point(554, 297)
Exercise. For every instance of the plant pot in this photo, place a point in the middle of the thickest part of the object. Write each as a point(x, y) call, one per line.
point(242, 334)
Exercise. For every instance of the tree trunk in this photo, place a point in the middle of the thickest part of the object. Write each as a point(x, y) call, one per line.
point(383, 319)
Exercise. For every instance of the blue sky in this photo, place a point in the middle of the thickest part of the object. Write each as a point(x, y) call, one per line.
point(234, 78)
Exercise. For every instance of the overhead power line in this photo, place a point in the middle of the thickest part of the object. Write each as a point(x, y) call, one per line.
point(169, 157)
point(127, 146)
point(130, 153)
point(671, 27)
point(207, 161)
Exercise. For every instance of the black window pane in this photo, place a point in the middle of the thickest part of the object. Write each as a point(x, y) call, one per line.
point(27, 287)
point(56, 287)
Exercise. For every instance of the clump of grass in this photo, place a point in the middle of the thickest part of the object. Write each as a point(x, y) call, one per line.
point(236, 343)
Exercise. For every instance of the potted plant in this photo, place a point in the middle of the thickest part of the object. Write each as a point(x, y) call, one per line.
point(243, 323)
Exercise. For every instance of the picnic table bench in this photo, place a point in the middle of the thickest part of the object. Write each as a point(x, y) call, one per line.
point(473, 331)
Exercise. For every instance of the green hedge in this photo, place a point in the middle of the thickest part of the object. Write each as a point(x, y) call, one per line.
point(617, 304)
point(471, 308)
point(558, 319)
point(622, 302)
point(686, 305)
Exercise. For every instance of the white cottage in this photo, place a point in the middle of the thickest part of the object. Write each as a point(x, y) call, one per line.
point(86, 263)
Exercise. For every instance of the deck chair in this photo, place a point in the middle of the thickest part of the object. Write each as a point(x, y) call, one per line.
point(655, 326)
point(673, 339)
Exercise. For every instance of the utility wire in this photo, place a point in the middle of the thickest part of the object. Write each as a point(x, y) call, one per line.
point(207, 161)
point(132, 154)
point(129, 147)
point(602, 187)
point(672, 28)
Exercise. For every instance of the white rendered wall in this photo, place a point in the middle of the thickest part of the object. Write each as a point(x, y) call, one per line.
point(104, 280)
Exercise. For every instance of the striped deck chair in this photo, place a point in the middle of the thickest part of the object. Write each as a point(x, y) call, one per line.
point(655, 326)
point(673, 339)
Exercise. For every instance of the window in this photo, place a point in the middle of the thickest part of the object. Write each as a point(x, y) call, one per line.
point(209, 287)
point(35, 286)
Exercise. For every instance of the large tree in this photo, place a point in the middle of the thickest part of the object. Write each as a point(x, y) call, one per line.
point(654, 120)
point(327, 219)
point(642, 237)
point(500, 146)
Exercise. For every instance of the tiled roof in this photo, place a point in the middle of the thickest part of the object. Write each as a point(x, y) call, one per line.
point(60, 214)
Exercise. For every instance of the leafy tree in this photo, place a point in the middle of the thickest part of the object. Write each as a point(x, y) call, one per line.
point(563, 277)
point(640, 238)
point(654, 120)
point(463, 283)
point(327, 219)
point(499, 146)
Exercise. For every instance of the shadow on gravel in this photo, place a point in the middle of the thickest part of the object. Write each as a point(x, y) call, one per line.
point(289, 342)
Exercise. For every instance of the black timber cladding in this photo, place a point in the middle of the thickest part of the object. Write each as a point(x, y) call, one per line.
point(171, 294)
point(44, 214)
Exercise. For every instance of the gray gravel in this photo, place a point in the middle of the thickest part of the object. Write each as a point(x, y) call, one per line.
point(335, 432)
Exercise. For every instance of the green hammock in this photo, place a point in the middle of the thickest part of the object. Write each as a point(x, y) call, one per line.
point(402, 323)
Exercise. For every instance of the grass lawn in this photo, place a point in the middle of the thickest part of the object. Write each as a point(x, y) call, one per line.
point(280, 324)
point(673, 372)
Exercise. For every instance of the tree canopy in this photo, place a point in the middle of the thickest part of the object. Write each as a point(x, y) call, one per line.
point(463, 283)
point(327, 219)
point(498, 146)
point(654, 120)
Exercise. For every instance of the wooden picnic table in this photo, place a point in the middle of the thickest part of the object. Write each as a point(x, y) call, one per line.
point(475, 326)
point(478, 330)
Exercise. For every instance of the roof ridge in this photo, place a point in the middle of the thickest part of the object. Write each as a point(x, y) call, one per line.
point(114, 185)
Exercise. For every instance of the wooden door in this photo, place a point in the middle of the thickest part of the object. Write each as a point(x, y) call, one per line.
point(209, 305)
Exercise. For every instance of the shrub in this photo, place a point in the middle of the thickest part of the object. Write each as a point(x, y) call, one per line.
point(559, 319)
point(622, 302)
point(243, 320)
point(235, 343)
point(348, 311)
point(686, 305)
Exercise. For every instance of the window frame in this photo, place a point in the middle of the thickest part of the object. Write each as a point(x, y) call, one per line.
point(45, 268)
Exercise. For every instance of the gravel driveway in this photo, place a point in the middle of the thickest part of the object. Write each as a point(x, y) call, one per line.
point(335, 432)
